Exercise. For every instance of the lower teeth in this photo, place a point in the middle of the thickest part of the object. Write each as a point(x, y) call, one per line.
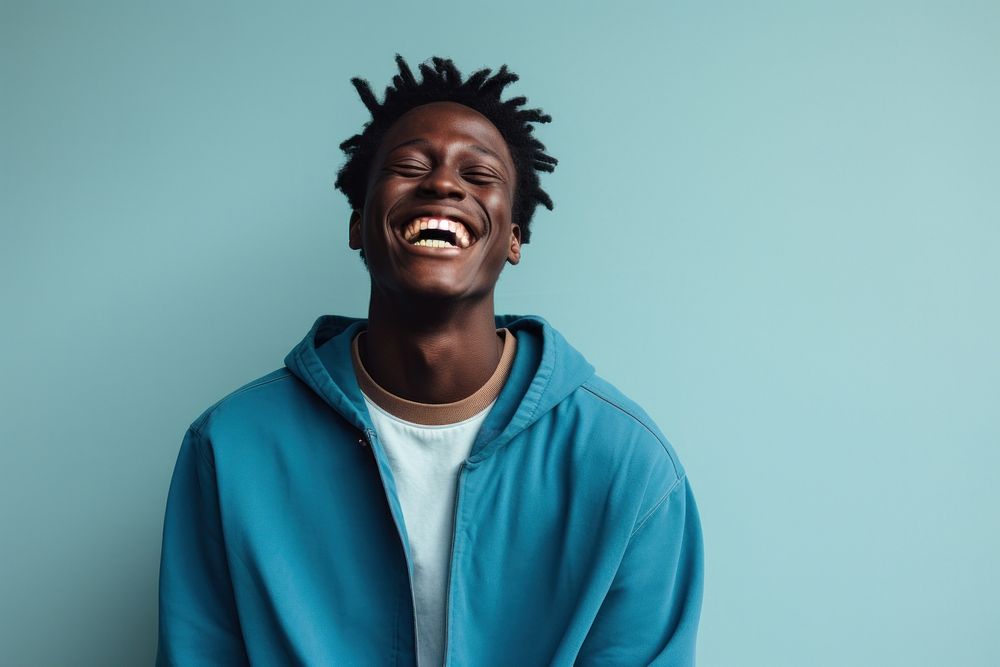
point(434, 243)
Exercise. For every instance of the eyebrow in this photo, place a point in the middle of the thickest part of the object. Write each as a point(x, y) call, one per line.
point(476, 147)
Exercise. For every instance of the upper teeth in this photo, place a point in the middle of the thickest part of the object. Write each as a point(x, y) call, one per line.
point(412, 231)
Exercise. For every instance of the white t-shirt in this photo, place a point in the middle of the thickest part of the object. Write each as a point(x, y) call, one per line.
point(425, 462)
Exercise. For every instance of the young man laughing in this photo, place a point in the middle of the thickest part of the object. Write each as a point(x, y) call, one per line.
point(433, 484)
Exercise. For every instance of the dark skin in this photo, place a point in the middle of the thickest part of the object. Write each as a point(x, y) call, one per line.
point(431, 335)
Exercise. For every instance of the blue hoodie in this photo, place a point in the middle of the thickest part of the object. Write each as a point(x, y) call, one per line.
point(577, 539)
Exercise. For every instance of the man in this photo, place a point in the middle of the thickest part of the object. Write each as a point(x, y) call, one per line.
point(433, 484)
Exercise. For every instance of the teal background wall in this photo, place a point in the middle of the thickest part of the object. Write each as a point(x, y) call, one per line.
point(776, 227)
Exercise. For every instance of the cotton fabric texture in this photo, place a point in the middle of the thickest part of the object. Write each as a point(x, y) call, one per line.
point(576, 536)
point(426, 457)
point(425, 463)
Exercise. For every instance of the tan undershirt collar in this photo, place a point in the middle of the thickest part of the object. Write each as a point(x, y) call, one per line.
point(436, 414)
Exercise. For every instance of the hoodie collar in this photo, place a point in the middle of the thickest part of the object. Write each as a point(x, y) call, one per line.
point(546, 370)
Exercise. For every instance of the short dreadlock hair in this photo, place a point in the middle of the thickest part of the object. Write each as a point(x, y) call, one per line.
point(481, 92)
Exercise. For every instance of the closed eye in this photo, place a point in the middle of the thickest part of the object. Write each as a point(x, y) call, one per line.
point(408, 168)
point(480, 176)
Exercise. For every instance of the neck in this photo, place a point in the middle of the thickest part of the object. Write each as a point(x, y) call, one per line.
point(431, 352)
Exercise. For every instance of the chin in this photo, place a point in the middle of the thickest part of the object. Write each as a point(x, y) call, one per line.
point(436, 292)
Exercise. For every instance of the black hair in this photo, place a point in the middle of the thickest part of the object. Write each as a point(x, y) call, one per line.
point(481, 92)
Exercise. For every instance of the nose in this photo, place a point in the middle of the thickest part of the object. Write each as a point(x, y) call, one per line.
point(442, 183)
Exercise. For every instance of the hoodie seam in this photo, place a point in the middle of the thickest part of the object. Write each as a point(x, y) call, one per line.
point(545, 386)
point(641, 421)
point(200, 448)
point(649, 514)
point(200, 422)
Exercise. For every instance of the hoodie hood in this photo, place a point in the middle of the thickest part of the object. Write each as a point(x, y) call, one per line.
point(546, 370)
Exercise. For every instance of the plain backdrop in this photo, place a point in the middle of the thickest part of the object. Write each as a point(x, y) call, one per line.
point(776, 228)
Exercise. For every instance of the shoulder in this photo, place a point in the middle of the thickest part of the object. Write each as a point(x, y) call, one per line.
point(248, 403)
point(622, 436)
point(623, 413)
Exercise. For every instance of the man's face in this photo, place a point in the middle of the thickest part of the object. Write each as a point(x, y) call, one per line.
point(446, 166)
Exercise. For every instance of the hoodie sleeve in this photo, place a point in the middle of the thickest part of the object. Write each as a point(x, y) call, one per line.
point(650, 614)
point(198, 620)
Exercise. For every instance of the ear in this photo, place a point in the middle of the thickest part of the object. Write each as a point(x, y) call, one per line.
point(514, 254)
point(354, 231)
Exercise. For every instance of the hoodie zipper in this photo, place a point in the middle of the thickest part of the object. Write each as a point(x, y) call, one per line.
point(451, 563)
point(370, 435)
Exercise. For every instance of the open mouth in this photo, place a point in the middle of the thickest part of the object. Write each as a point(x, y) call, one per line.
point(432, 232)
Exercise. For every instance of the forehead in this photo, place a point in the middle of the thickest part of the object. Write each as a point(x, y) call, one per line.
point(444, 124)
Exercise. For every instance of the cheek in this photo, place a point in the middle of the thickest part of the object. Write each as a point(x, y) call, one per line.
point(377, 205)
point(499, 204)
